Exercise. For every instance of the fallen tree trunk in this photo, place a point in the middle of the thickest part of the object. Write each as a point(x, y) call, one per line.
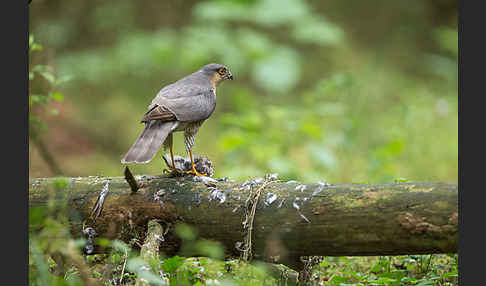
point(290, 219)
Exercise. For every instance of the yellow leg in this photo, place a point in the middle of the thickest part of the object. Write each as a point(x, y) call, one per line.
point(172, 157)
point(193, 171)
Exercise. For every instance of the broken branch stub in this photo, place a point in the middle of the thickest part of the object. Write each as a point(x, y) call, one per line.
point(291, 219)
point(150, 249)
point(131, 180)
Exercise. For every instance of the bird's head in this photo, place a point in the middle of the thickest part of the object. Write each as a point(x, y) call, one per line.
point(216, 72)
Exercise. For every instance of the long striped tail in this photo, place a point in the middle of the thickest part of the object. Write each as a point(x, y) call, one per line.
point(149, 142)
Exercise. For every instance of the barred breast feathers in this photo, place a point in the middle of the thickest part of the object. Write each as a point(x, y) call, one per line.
point(190, 134)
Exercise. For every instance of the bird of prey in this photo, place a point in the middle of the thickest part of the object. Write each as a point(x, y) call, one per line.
point(181, 106)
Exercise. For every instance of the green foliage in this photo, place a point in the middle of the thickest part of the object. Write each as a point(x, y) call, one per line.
point(61, 183)
point(171, 264)
point(120, 264)
point(141, 269)
point(308, 101)
point(41, 101)
point(207, 270)
point(192, 245)
point(389, 270)
point(186, 232)
point(319, 94)
point(49, 238)
point(447, 39)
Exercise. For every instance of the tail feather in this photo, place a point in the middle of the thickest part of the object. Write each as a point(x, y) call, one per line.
point(149, 142)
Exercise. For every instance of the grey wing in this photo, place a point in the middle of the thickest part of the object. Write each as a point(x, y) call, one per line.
point(187, 102)
point(159, 113)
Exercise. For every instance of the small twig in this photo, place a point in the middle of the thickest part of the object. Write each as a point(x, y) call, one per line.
point(98, 207)
point(247, 248)
point(71, 252)
point(283, 274)
point(131, 180)
point(428, 264)
point(45, 153)
point(123, 269)
point(305, 275)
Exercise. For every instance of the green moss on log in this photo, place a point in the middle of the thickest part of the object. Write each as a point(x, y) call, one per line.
point(301, 220)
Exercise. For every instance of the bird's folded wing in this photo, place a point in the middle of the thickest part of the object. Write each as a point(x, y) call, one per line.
point(159, 113)
point(195, 104)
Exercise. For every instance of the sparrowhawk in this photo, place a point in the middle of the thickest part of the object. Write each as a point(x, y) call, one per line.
point(181, 106)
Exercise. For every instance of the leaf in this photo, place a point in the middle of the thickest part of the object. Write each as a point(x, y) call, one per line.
point(37, 216)
point(221, 11)
point(311, 128)
point(115, 258)
point(79, 242)
point(48, 76)
point(232, 140)
point(36, 47)
point(279, 72)
point(447, 39)
point(281, 165)
point(394, 147)
point(63, 79)
point(409, 279)
point(450, 274)
point(61, 183)
point(94, 258)
point(120, 246)
point(103, 242)
point(186, 232)
point(324, 263)
point(323, 156)
point(386, 280)
point(210, 249)
point(441, 66)
point(339, 279)
point(32, 118)
point(32, 45)
point(318, 31)
point(376, 268)
point(279, 12)
point(141, 268)
point(54, 112)
point(171, 264)
point(38, 98)
point(38, 68)
point(57, 96)
point(357, 276)
point(42, 268)
point(425, 283)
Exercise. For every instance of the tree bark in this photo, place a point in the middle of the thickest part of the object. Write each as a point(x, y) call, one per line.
point(291, 219)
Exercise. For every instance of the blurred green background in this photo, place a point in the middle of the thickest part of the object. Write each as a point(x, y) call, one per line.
point(340, 91)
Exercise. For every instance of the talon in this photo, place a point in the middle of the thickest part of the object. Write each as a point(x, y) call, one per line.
point(193, 170)
point(196, 173)
point(173, 172)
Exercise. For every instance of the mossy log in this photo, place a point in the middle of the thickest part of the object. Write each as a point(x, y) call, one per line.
point(291, 219)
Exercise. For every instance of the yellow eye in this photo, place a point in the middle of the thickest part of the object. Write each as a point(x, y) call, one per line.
point(222, 71)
